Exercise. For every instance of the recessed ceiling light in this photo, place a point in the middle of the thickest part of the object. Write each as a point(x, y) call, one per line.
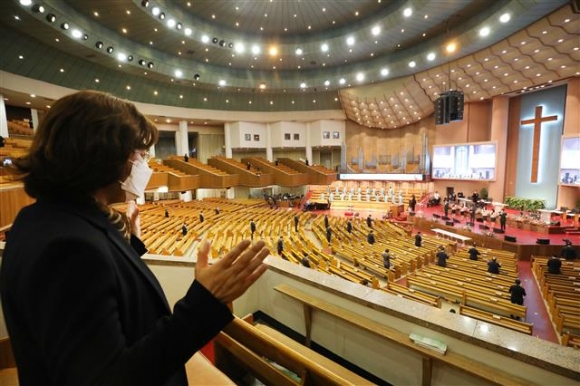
point(350, 40)
point(255, 49)
point(384, 71)
point(342, 81)
point(273, 51)
point(360, 77)
point(412, 64)
point(431, 56)
point(155, 11)
point(20, 57)
point(26, 3)
point(303, 85)
point(299, 51)
point(484, 31)
point(327, 83)
point(451, 47)
point(407, 12)
point(505, 18)
point(324, 47)
point(222, 82)
point(376, 30)
point(171, 23)
point(76, 34)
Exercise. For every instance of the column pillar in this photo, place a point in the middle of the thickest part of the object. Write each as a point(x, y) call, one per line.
point(308, 144)
point(269, 151)
point(228, 140)
point(499, 129)
point(3, 118)
point(182, 139)
point(34, 115)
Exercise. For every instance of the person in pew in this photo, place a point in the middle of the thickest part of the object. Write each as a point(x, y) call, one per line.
point(554, 265)
point(365, 282)
point(280, 245)
point(201, 217)
point(328, 234)
point(326, 221)
point(252, 228)
point(296, 222)
point(517, 293)
point(369, 221)
point(81, 306)
point(217, 210)
point(371, 238)
point(473, 252)
point(184, 229)
point(306, 260)
point(387, 259)
point(442, 257)
point(349, 226)
point(186, 157)
point(166, 213)
point(568, 252)
point(418, 239)
point(493, 266)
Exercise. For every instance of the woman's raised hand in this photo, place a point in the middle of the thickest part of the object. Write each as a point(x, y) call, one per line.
point(233, 274)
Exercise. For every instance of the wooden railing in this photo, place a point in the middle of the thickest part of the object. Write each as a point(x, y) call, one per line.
point(317, 174)
point(283, 175)
point(209, 176)
point(251, 177)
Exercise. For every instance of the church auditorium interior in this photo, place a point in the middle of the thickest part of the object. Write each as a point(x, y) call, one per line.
point(388, 153)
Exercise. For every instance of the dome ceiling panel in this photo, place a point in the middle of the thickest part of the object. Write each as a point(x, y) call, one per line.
point(478, 66)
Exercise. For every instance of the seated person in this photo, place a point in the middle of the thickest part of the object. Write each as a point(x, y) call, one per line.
point(493, 266)
point(554, 265)
point(473, 252)
point(442, 257)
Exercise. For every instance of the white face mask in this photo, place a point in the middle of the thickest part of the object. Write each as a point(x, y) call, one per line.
point(135, 184)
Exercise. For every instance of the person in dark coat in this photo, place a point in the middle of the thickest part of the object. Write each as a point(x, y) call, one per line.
point(446, 206)
point(166, 213)
point(568, 252)
point(280, 245)
point(296, 222)
point(349, 226)
point(186, 157)
point(252, 228)
point(81, 306)
point(305, 261)
point(517, 293)
point(371, 238)
point(473, 252)
point(502, 219)
point(493, 266)
point(554, 265)
point(418, 239)
point(442, 257)
point(386, 259)
point(412, 203)
point(328, 234)
point(201, 218)
point(326, 222)
point(184, 229)
point(369, 221)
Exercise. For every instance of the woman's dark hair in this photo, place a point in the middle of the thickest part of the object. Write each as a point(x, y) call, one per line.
point(82, 144)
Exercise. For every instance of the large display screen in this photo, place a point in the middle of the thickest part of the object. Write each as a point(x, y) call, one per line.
point(569, 162)
point(468, 161)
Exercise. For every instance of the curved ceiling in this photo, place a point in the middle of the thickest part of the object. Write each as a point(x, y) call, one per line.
point(383, 62)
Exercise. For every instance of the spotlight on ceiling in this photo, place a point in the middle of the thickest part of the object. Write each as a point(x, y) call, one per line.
point(26, 3)
point(214, 40)
point(37, 8)
point(150, 64)
point(141, 62)
point(130, 58)
point(110, 49)
point(162, 15)
point(196, 76)
point(179, 26)
point(145, 3)
point(222, 43)
point(231, 45)
point(51, 17)
point(155, 11)
point(64, 26)
point(99, 45)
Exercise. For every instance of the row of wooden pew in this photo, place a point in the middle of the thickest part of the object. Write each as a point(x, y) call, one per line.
point(562, 293)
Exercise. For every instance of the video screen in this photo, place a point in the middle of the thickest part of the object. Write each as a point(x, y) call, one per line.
point(569, 165)
point(469, 161)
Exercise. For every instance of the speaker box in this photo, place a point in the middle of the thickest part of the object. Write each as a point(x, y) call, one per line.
point(513, 239)
point(456, 221)
point(449, 223)
point(497, 230)
point(543, 241)
point(446, 218)
point(484, 227)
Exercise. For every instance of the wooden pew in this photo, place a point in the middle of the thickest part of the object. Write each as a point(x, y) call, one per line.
point(241, 348)
point(451, 358)
point(499, 320)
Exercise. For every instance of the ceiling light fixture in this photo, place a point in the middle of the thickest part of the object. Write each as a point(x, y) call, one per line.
point(484, 32)
point(505, 18)
point(407, 12)
point(162, 16)
point(155, 11)
point(37, 8)
point(141, 62)
point(376, 30)
point(76, 34)
point(187, 31)
point(196, 77)
point(110, 49)
point(26, 3)
point(150, 64)
point(51, 17)
point(145, 3)
point(64, 26)
point(99, 45)
point(171, 23)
